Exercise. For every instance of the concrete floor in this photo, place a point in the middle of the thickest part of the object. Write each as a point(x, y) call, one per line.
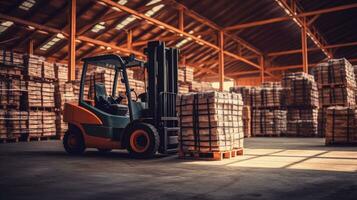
point(272, 168)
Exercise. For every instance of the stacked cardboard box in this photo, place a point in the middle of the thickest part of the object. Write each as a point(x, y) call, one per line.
point(302, 103)
point(336, 82)
point(210, 122)
point(341, 127)
point(13, 123)
point(266, 122)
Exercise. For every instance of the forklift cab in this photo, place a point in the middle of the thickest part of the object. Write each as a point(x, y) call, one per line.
point(106, 119)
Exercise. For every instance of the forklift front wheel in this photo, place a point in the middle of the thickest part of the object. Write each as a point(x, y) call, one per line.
point(73, 142)
point(143, 141)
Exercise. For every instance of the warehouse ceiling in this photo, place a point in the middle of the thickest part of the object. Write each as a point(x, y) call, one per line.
point(104, 23)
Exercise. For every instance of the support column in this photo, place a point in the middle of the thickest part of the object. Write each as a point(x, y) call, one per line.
point(262, 71)
point(130, 40)
point(221, 61)
point(72, 41)
point(181, 20)
point(305, 62)
point(30, 47)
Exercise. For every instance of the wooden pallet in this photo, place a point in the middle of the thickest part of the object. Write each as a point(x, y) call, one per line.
point(266, 135)
point(9, 140)
point(210, 155)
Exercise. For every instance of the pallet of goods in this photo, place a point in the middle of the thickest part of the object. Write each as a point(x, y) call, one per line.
point(355, 69)
point(13, 124)
point(268, 123)
point(336, 82)
point(246, 93)
point(183, 88)
point(341, 127)
point(273, 98)
point(211, 125)
point(41, 124)
point(11, 58)
point(61, 72)
point(321, 122)
point(302, 122)
point(40, 94)
point(200, 86)
point(65, 94)
point(302, 104)
point(247, 121)
point(33, 65)
point(11, 91)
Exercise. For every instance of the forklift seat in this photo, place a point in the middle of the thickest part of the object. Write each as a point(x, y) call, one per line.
point(107, 104)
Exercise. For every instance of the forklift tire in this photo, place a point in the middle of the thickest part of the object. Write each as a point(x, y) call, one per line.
point(143, 140)
point(73, 142)
point(104, 150)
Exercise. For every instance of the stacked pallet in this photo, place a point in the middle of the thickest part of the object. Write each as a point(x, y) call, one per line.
point(11, 91)
point(246, 121)
point(266, 122)
point(355, 70)
point(11, 58)
point(185, 74)
point(33, 65)
point(13, 124)
point(341, 127)
point(302, 104)
point(264, 97)
point(210, 122)
point(200, 86)
point(40, 94)
point(336, 82)
point(61, 72)
point(41, 124)
point(246, 93)
point(183, 88)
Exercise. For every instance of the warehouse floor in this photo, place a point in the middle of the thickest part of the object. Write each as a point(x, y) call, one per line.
point(272, 168)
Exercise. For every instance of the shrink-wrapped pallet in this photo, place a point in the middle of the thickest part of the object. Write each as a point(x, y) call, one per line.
point(302, 122)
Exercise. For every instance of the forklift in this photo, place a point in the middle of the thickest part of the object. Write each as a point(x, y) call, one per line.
point(147, 125)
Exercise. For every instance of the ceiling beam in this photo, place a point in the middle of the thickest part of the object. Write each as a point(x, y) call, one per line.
point(296, 51)
point(299, 15)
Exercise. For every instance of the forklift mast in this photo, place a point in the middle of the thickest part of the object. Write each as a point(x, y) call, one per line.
point(162, 68)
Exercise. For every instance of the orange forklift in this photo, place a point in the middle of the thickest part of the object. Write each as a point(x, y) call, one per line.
point(144, 125)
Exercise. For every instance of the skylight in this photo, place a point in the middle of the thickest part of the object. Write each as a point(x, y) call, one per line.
point(121, 2)
point(5, 25)
point(27, 4)
point(98, 27)
point(52, 42)
point(148, 13)
point(184, 41)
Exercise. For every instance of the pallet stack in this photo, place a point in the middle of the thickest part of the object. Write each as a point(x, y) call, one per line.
point(336, 84)
point(268, 110)
point(247, 121)
point(341, 127)
point(302, 104)
point(246, 93)
point(197, 86)
point(355, 70)
point(211, 125)
point(13, 121)
point(11, 58)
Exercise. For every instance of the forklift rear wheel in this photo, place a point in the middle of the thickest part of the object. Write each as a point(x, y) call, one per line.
point(104, 150)
point(73, 142)
point(143, 141)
